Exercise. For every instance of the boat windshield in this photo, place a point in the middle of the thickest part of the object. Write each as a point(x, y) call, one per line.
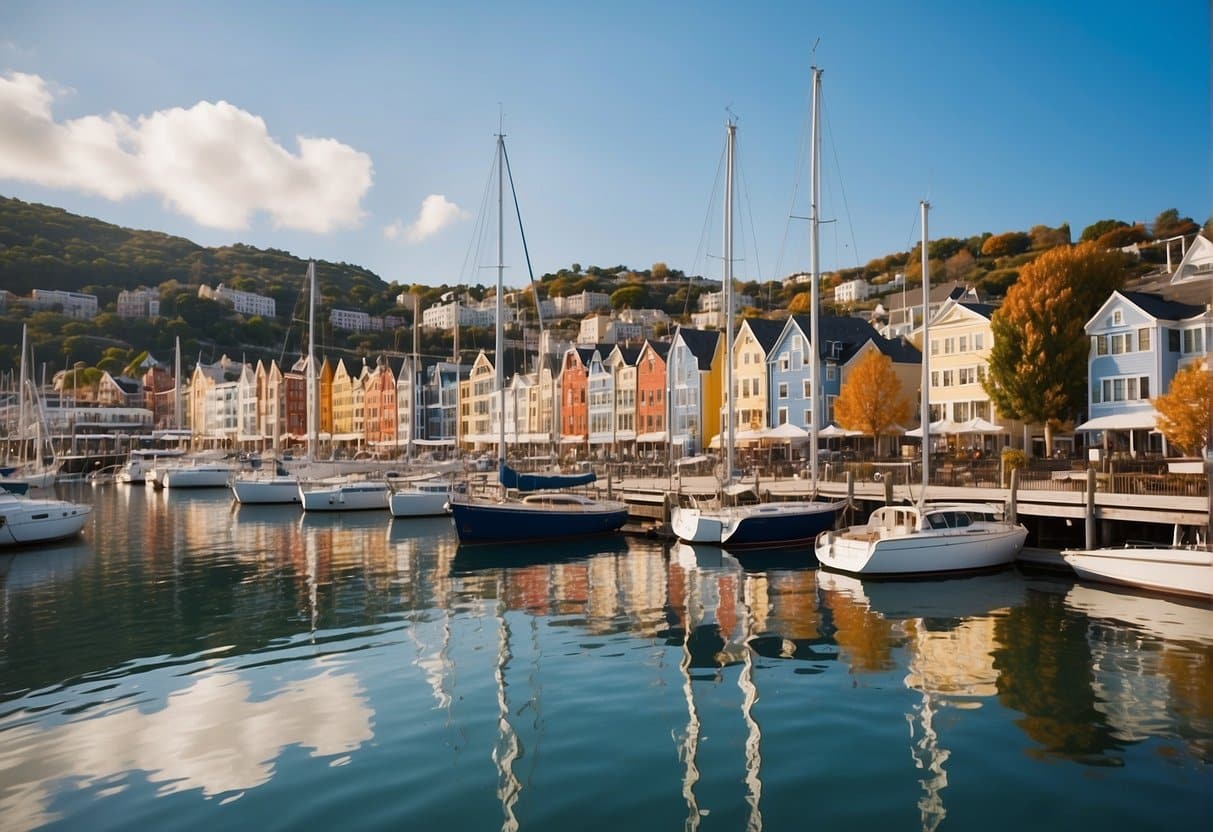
point(949, 519)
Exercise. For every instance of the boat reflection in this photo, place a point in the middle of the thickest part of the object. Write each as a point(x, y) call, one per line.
point(48, 563)
point(477, 558)
point(949, 629)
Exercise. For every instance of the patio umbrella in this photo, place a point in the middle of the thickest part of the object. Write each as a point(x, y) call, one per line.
point(834, 432)
point(979, 425)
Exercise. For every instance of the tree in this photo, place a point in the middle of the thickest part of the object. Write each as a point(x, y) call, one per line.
point(1169, 224)
point(660, 272)
point(1183, 411)
point(1044, 237)
point(801, 303)
point(1126, 235)
point(1097, 229)
point(1003, 245)
point(870, 399)
point(632, 296)
point(1038, 363)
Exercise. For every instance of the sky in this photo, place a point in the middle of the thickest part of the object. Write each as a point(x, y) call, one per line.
point(365, 132)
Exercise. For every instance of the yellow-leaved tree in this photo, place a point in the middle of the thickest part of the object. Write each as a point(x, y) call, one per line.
point(1183, 411)
point(870, 400)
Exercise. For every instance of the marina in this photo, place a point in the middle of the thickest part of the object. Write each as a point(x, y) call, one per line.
point(191, 661)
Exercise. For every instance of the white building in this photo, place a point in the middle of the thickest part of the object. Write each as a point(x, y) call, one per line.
point(446, 315)
point(246, 303)
point(574, 306)
point(139, 303)
point(852, 291)
point(607, 329)
point(350, 319)
point(714, 301)
point(73, 304)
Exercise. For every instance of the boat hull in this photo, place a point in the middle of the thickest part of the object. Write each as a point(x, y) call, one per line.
point(25, 521)
point(759, 526)
point(484, 522)
point(266, 491)
point(202, 477)
point(361, 497)
point(419, 503)
point(1175, 570)
point(921, 553)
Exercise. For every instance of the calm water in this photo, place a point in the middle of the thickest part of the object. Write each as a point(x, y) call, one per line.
point(190, 664)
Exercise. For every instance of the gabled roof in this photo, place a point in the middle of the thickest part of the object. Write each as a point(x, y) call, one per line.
point(985, 310)
point(764, 330)
point(702, 343)
point(627, 355)
point(662, 348)
point(1161, 308)
point(852, 333)
point(899, 350)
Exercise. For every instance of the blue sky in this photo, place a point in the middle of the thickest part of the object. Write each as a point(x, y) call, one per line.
point(1004, 114)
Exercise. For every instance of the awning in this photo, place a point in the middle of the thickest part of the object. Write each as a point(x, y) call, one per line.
point(433, 442)
point(653, 436)
point(692, 460)
point(625, 435)
point(572, 440)
point(1137, 420)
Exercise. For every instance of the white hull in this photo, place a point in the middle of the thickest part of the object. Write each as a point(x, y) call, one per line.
point(356, 496)
point(25, 520)
point(200, 476)
point(419, 503)
point(693, 525)
point(266, 490)
point(764, 524)
point(1178, 570)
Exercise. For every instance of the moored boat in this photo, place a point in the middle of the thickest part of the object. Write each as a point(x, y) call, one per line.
point(422, 498)
point(26, 520)
point(344, 494)
point(1175, 569)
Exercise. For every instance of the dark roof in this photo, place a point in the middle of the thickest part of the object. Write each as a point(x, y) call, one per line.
point(628, 354)
point(702, 344)
point(852, 333)
point(1159, 307)
point(662, 348)
point(986, 310)
point(899, 350)
point(765, 330)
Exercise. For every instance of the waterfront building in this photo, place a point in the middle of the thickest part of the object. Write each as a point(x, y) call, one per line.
point(574, 408)
point(212, 400)
point(71, 304)
point(272, 404)
point(410, 403)
point(381, 417)
point(248, 405)
point(119, 391)
point(600, 400)
point(139, 303)
point(609, 329)
point(475, 399)
point(441, 399)
point(324, 384)
point(623, 363)
point(695, 367)
point(295, 403)
point(246, 303)
point(652, 388)
point(842, 340)
point(343, 403)
point(1139, 340)
point(160, 395)
point(752, 345)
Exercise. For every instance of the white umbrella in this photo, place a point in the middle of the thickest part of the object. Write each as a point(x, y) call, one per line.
point(938, 428)
point(787, 431)
point(979, 425)
point(835, 432)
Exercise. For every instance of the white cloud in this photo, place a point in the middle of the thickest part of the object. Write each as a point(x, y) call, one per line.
point(436, 214)
point(213, 162)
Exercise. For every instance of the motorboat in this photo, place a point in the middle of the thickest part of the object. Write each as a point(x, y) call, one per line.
point(143, 460)
point(422, 498)
point(760, 524)
point(1176, 569)
point(25, 520)
point(198, 474)
point(344, 494)
point(265, 488)
point(935, 538)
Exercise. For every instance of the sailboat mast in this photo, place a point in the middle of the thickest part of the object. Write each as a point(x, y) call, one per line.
point(814, 278)
point(21, 392)
point(499, 343)
point(176, 385)
point(924, 393)
point(728, 294)
point(312, 414)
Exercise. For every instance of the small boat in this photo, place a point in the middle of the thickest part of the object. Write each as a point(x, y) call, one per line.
point(141, 462)
point(938, 538)
point(196, 475)
point(25, 520)
point(1177, 569)
point(344, 494)
point(275, 487)
point(422, 498)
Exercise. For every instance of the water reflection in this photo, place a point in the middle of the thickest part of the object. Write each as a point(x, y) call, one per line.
point(215, 735)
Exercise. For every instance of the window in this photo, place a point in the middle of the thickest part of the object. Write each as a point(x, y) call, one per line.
point(935, 378)
point(1122, 343)
point(1095, 391)
point(807, 389)
point(784, 362)
point(808, 417)
point(979, 341)
point(949, 346)
point(964, 343)
point(934, 346)
point(831, 372)
point(947, 378)
point(1101, 344)
point(960, 411)
point(1143, 386)
point(1143, 339)
point(1173, 340)
point(1118, 317)
point(782, 416)
point(783, 391)
point(1193, 341)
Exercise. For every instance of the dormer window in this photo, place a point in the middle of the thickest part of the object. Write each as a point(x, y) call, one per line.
point(1118, 317)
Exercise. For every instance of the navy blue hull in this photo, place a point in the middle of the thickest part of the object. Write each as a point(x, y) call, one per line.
point(774, 529)
point(505, 522)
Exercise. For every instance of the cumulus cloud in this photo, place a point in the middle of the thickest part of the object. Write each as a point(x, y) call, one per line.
point(436, 214)
point(212, 162)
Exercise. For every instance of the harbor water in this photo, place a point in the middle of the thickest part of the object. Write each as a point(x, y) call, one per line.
point(189, 663)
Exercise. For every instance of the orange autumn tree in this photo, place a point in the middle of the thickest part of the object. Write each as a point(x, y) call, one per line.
point(870, 400)
point(1183, 411)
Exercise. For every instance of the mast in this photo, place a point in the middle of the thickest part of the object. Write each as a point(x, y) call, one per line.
point(414, 374)
point(924, 393)
point(499, 343)
point(728, 293)
point(21, 392)
point(312, 401)
point(176, 386)
point(814, 279)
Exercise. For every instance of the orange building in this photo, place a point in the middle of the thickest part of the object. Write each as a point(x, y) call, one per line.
point(651, 386)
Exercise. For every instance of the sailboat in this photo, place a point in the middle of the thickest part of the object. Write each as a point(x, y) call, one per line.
point(31, 469)
point(280, 485)
point(766, 524)
point(925, 538)
point(528, 507)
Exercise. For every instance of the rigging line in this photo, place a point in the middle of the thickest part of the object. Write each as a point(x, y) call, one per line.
point(799, 169)
point(526, 251)
point(846, 206)
point(698, 265)
point(477, 230)
point(745, 189)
